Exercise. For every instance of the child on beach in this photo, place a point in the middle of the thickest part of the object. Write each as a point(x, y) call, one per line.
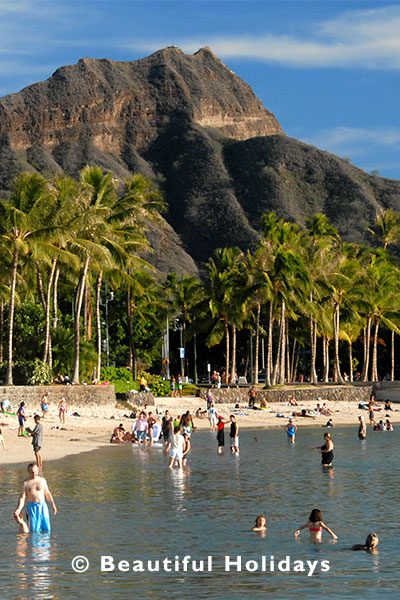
point(21, 419)
point(261, 524)
point(315, 526)
point(370, 544)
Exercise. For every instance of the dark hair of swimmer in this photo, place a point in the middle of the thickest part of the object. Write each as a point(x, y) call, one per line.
point(316, 515)
point(372, 540)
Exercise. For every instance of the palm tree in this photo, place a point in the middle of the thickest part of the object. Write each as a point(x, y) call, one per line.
point(185, 292)
point(387, 227)
point(26, 227)
point(222, 269)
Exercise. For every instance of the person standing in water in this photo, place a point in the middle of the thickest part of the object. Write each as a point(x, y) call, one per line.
point(177, 448)
point(234, 435)
point(362, 429)
point(220, 434)
point(291, 429)
point(35, 492)
point(326, 451)
point(315, 526)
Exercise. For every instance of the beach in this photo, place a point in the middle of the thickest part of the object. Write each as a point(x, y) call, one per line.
point(93, 428)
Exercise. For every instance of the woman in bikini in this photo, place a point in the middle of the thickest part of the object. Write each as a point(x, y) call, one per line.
point(315, 526)
point(62, 410)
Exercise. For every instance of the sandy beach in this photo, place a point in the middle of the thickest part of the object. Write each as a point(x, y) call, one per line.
point(93, 428)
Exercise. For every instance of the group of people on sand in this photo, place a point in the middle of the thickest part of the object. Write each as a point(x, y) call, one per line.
point(142, 430)
point(316, 526)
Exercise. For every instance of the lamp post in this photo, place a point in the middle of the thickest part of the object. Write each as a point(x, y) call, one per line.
point(178, 326)
point(104, 303)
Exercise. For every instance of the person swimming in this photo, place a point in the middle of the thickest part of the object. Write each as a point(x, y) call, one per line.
point(315, 525)
point(261, 524)
point(370, 544)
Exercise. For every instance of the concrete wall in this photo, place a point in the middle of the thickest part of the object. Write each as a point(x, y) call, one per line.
point(387, 390)
point(325, 393)
point(139, 399)
point(75, 395)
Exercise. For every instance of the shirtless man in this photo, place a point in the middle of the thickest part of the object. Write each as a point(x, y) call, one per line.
point(34, 492)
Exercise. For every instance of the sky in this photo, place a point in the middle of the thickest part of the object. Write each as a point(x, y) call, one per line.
point(328, 70)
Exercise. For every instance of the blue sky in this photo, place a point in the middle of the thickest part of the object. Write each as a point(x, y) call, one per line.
point(329, 71)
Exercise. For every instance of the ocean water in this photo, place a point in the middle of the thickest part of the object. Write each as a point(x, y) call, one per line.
point(123, 502)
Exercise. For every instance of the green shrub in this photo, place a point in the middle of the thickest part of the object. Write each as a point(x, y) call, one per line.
point(158, 386)
point(27, 372)
point(41, 374)
point(120, 377)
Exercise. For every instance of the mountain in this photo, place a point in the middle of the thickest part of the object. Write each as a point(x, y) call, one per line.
point(221, 158)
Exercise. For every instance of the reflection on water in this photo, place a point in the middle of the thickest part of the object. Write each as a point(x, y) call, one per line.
point(125, 502)
point(34, 559)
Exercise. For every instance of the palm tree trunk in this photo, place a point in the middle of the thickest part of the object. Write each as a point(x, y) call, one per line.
point(292, 361)
point(132, 348)
point(85, 310)
point(283, 344)
point(77, 332)
point(336, 322)
point(351, 361)
point(41, 295)
point(89, 312)
point(1, 330)
point(98, 324)
point(374, 374)
point(392, 356)
point(233, 371)
point(287, 352)
point(325, 358)
point(227, 363)
point(47, 311)
point(365, 370)
point(278, 352)
point(9, 378)
point(257, 350)
point(269, 348)
point(296, 364)
point(55, 299)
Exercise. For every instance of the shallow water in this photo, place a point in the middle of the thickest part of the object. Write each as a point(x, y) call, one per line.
point(124, 502)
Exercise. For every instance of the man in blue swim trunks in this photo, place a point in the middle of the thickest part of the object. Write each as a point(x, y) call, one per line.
point(35, 491)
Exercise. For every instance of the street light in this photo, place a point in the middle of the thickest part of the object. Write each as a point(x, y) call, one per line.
point(178, 326)
point(104, 303)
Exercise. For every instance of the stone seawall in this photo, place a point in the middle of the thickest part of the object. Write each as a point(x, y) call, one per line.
point(139, 399)
point(75, 395)
point(353, 393)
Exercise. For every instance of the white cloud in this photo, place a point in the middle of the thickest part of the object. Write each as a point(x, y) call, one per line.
point(362, 38)
point(353, 141)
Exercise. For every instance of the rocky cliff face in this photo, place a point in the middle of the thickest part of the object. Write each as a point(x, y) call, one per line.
point(114, 103)
point(219, 156)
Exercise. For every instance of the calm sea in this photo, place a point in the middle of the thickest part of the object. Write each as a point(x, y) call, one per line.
point(123, 502)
